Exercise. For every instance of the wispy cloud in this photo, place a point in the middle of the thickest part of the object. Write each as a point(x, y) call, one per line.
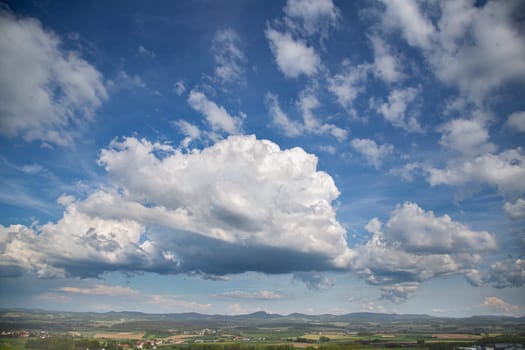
point(246, 295)
point(100, 289)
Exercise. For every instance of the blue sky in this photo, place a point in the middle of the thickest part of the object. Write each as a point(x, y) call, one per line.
point(287, 156)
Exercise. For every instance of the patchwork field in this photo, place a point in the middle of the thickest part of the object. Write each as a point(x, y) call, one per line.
point(455, 336)
point(120, 335)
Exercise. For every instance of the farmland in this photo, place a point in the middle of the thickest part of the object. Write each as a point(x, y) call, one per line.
point(22, 329)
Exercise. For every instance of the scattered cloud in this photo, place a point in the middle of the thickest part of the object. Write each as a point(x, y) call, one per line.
point(400, 292)
point(145, 52)
point(257, 295)
point(467, 40)
point(311, 124)
point(515, 210)
point(191, 131)
point(293, 57)
point(291, 128)
point(415, 28)
point(516, 122)
point(466, 137)
point(502, 170)
point(314, 280)
point(374, 154)
point(507, 273)
point(348, 84)
point(498, 305)
point(415, 245)
point(124, 81)
point(311, 16)
point(306, 103)
point(228, 57)
point(65, 90)
point(408, 171)
point(179, 88)
point(401, 109)
point(100, 289)
point(387, 67)
point(216, 116)
point(416, 230)
point(373, 307)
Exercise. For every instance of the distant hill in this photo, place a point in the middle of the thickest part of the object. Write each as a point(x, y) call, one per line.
point(360, 321)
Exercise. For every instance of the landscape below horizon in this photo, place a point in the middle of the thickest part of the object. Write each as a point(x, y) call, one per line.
point(40, 329)
point(346, 169)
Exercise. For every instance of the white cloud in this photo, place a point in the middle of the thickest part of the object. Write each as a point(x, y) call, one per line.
point(473, 43)
point(257, 295)
point(234, 190)
point(145, 52)
point(406, 15)
point(240, 205)
point(400, 292)
point(386, 66)
point(188, 129)
point(124, 81)
point(228, 57)
point(397, 112)
point(416, 230)
point(179, 88)
point(314, 280)
point(373, 307)
point(100, 289)
point(375, 226)
point(516, 122)
point(328, 149)
point(415, 246)
point(407, 171)
point(516, 210)
point(374, 154)
point(348, 84)
point(498, 305)
point(58, 249)
point(191, 131)
point(290, 127)
point(468, 138)
point(306, 103)
point(504, 170)
point(475, 277)
point(380, 264)
point(314, 16)
point(508, 273)
point(293, 57)
point(218, 118)
point(63, 89)
point(468, 44)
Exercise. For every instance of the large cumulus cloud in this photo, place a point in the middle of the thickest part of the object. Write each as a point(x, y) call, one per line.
point(240, 205)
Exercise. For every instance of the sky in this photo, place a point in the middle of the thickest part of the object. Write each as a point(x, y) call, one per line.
point(226, 157)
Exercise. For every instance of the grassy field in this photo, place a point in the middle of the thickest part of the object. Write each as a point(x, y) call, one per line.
point(120, 335)
point(369, 341)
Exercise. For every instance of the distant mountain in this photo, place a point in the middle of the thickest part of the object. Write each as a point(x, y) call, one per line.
point(255, 317)
point(260, 315)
